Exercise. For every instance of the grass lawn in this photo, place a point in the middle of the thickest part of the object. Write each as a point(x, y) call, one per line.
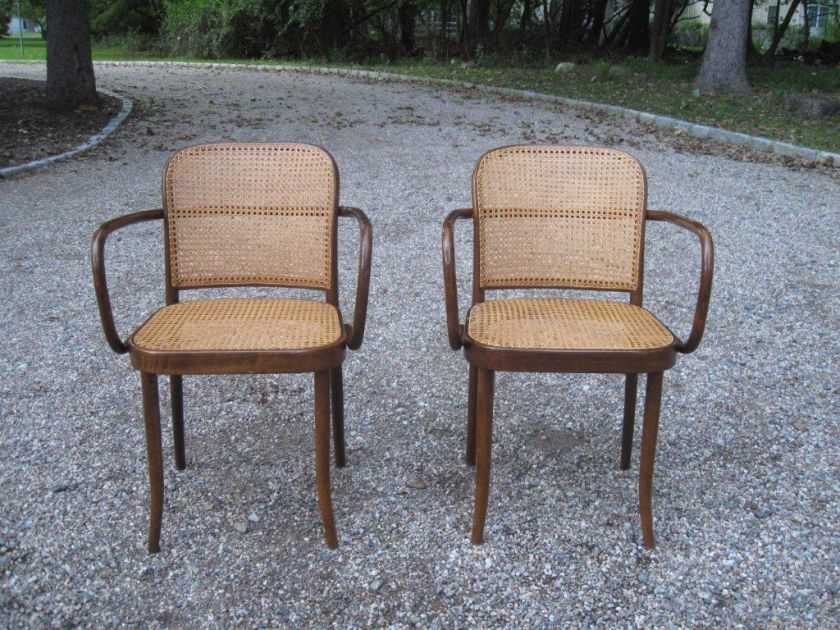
point(662, 88)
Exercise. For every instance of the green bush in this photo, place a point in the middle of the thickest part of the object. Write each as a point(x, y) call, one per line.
point(231, 28)
point(117, 17)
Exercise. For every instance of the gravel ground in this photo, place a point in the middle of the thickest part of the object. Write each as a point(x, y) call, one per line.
point(746, 500)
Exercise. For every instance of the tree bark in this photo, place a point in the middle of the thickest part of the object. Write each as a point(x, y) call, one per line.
point(724, 68)
point(407, 15)
point(638, 34)
point(70, 79)
point(477, 24)
point(662, 10)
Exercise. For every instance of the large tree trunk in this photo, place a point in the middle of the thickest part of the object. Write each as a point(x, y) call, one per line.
point(70, 80)
point(724, 69)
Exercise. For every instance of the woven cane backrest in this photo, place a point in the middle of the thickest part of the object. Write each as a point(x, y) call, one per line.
point(251, 214)
point(553, 216)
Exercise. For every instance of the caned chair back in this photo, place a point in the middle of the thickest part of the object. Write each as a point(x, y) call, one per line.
point(251, 214)
point(559, 217)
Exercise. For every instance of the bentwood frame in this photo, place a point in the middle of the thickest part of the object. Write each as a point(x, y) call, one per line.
point(324, 359)
point(484, 360)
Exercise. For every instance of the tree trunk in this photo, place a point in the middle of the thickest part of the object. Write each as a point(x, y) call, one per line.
point(599, 10)
point(638, 33)
point(70, 80)
point(780, 31)
point(724, 69)
point(662, 10)
point(752, 52)
point(408, 16)
point(525, 19)
point(806, 27)
point(478, 24)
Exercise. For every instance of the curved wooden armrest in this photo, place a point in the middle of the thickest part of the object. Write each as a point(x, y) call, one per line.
point(707, 265)
point(356, 330)
point(97, 260)
point(453, 324)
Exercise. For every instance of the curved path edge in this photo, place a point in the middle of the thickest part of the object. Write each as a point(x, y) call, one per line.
point(755, 143)
point(91, 142)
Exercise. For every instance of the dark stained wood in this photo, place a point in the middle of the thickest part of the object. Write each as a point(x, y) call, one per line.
point(337, 407)
point(100, 282)
point(538, 360)
point(484, 439)
point(176, 395)
point(324, 361)
point(650, 427)
point(322, 454)
point(450, 282)
point(707, 266)
point(356, 330)
point(485, 360)
point(471, 394)
point(154, 455)
point(630, 386)
point(238, 362)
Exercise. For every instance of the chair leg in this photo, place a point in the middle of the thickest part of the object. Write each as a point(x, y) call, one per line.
point(337, 386)
point(322, 454)
point(176, 393)
point(471, 387)
point(484, 435)
point(630, 386)
point(653, 398)
point(154, 454)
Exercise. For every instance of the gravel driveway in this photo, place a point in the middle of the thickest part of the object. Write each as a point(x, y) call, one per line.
point(746, 485)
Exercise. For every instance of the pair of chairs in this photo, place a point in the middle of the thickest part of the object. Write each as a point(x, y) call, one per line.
point(266, 215)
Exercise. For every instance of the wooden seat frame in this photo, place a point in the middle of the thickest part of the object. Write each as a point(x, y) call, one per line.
point(324, 361)
point(485, 360)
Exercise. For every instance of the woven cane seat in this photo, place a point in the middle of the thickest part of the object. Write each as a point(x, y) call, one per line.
point(240, 324)
point(566, 324)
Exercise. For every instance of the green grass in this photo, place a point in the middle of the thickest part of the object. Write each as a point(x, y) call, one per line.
point(661, 88)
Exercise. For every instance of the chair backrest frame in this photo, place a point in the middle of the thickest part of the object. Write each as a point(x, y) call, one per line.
point(480, 288)
point(174, 287)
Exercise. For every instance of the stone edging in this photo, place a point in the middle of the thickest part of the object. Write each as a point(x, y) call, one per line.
point(115, 122)
point(755, 143)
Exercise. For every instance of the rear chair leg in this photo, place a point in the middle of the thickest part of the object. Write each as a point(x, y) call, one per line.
point(484, 431)
point(653, 398)
point(630, 386)
point(337, 385)
point(471, 387)
point(322, 454)
point(176, 393)
point(154, 454)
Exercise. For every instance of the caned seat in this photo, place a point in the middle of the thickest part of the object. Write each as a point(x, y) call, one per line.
point(563, 217)
point(565, 324)
point(245, 215)
point(240, 324)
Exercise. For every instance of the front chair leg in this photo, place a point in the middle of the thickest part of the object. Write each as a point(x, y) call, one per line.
point(484, 431)
point(176, 394)
point(630, 386)
point(154, 455)
point(653, 397)
point(337, 386)
point(471, 387)
point(322, 454)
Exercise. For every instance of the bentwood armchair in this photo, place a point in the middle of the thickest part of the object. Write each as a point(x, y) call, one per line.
point(562, 217)
point(238, 215)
